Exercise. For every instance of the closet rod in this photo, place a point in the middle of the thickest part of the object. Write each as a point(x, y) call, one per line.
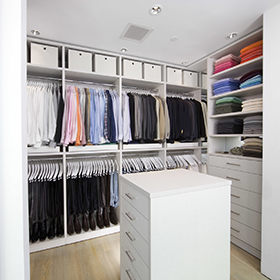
point(43, 78)
point(180, 153)
point(95, 157)
point(88, 83)
point(142, 89)
point(177, 94)
point(141, 155)
point(44, 159)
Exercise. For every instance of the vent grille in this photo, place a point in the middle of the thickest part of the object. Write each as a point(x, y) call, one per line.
point(136, 33)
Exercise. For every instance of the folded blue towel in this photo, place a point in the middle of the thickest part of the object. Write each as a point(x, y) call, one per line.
point(256, 80)
point(226, 81)
point(225, 89)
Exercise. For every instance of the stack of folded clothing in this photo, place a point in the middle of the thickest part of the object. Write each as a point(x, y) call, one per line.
point(228, 105)
point(226, 62)
point(225, 85)
point(252, 147)
point(255, 104)
point(230, 126)
point(251, 78)
point(252, 51)
point(253, 125)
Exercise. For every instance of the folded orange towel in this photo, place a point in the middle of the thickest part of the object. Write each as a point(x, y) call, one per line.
point(259, 43)
point(253, 50)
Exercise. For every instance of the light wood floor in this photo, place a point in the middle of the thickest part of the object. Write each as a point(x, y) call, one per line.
point(99, 259)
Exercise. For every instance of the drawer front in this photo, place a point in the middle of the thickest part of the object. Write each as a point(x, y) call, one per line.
point(174, 76)
point(132, 69)
point(105, 64)
point(81, 61)
point(136, 198)
point(136, 240)
point(246, 234)
point(128, 271)
point(190, 79)
point(246, 216)
point(133, 257)
point(246, 199)
point(247, 181)
point(244, 165)
point(152, 72)
point(139, 222)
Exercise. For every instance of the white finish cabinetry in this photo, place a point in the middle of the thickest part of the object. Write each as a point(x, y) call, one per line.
point(173, 223)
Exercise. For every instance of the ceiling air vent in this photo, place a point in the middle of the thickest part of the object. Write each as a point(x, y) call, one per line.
point(136, 33)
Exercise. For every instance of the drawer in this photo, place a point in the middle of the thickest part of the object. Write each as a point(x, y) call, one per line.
point(133, 257)
point(81, 61)
point(139, 222)
point(247, 181)
point(44, 55)
point(136, 240)
point(246, 199)
point(174, 76)
point(104, 64)
point(190, 79)
point(246, 234)
point(136, 198)
point(152, 72)
point(127, 269)
point(132, 69)
point(246, 216)
point(251, 166)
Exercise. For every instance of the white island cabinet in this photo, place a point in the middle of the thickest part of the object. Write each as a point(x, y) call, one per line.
point(175, 224)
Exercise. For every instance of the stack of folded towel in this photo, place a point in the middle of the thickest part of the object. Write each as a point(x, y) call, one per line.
point(253, 125)
point(251, 78)
point(252, 51)
point(230, 126)
point(228, 105)
point(225, 85)
point(252, 147)
point(226, 62)
point(255, 104)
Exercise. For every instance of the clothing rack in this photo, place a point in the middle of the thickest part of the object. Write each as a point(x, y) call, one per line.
point(179, 95)
point(43, 78)
point(83, 83)
point(140, 90)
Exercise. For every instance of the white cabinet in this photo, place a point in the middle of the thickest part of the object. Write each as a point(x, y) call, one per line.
point(169, 219)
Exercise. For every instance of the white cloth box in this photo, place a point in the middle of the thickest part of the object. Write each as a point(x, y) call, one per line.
point(174, 76)
point(104, 64)
point(80, 61)
point(132, 69)
point(204, 81)
point(190, 79)
point(44, 55)
point(152, 72)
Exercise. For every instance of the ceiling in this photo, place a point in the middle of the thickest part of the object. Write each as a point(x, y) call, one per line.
point(200, 26)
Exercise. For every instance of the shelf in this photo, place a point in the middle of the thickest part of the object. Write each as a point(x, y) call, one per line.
point(44, 71)
point(90, 77)
point(235, 156)
point(43, 151)
point(182, 146)
point(246, 92)
point(181, 88)
point(127, 148)
point(141, 83)
point(107, 148)
point(236, 114)
point(234, 135)
point(240, 69)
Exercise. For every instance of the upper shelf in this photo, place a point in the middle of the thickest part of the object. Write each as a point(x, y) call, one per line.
point(140, 83)
point(38, 70)
point(236, 114)
point(181, 88)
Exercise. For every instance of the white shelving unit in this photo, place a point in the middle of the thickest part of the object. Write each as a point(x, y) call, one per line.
point(119, 83)
point(244, 172)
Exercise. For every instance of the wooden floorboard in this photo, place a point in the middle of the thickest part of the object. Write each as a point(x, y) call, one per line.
point(99, 259)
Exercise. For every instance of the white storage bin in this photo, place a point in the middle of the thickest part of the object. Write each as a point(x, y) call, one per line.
point(174, 76)
point(152, 72)
point(132, 69)
point(78, 60)
point(104, 64)
point(44, 55)
point(204, 81)
point(190, 79)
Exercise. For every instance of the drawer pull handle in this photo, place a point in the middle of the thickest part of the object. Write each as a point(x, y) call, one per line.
point(129, 274)
point(130, 256)
point(232, 178)
point(131, 197)
point(130, 216)
point(238, 214)
point(234, 195)
point(235, 164)
point(235, 229)
point(130, 236)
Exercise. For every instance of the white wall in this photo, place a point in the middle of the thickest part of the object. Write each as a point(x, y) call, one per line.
point(14, 245)
point(270, 260)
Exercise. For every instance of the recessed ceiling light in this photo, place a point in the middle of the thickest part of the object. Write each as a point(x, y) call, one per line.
point(123, 50)
point(231, 35)
point(174, 39)
point(35, 32)
point(184, 62)
point(155, 10)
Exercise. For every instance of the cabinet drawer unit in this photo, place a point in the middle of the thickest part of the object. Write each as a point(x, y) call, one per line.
point(44, 55)
point(104, 64)
point(128, 271)
point(80, 61)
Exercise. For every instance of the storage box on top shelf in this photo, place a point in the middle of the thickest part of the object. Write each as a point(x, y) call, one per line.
point(190, 79)
point(152, 72)
point(104, 64)
point(204, 81)
point(44, 55)
point(174, 76)
point(80, 61)
point(132, 69)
